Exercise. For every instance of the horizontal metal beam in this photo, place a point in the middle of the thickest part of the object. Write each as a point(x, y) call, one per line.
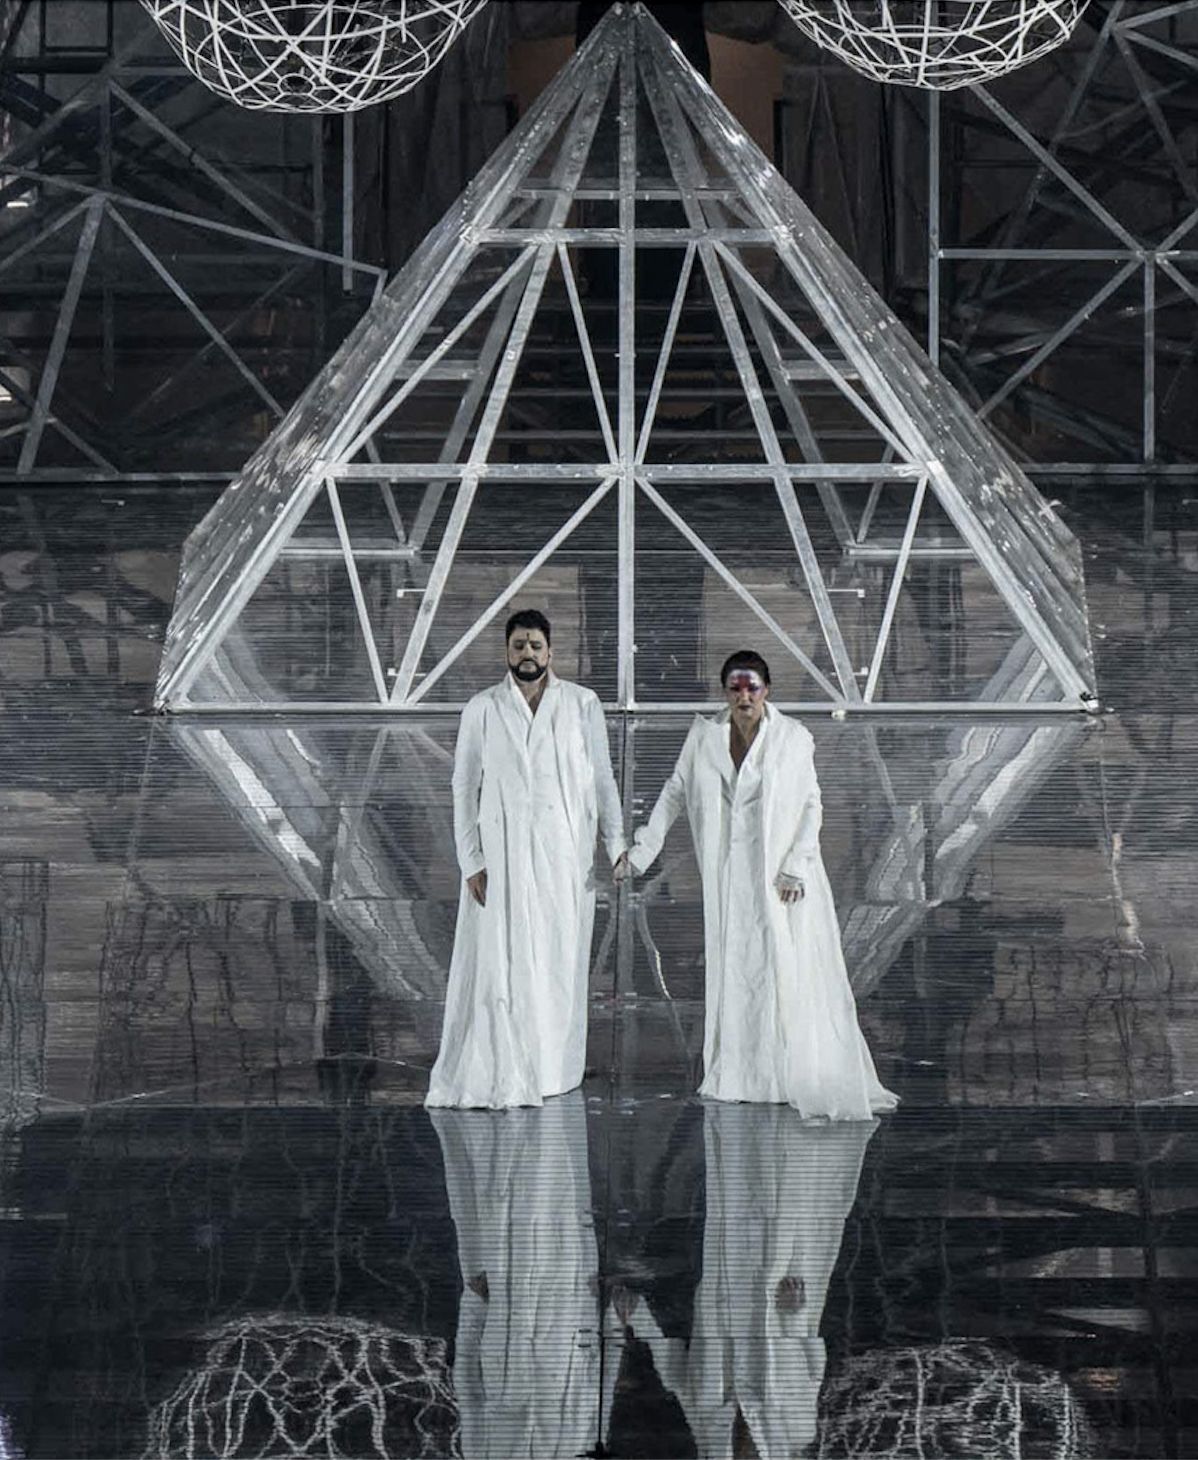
point(883, 553)
point(951, 710)
point(1074, 255)
point(641, 195)
point(612, 237)
point(77, 476)
point(503, 471)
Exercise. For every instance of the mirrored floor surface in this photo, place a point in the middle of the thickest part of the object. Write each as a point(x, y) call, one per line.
point(228, 1228)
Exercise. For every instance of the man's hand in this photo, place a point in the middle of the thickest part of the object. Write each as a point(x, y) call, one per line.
point(790, 1294)
point(478, 887)
point(622, 870)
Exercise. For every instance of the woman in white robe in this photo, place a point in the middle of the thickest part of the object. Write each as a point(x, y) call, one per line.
point(781, 1021)
point(532, 783)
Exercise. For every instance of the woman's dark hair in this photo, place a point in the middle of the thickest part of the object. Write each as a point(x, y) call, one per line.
point(527, 618)
point(744, 659)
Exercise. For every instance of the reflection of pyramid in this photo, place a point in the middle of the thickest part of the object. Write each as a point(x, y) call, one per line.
point(359, 818)
point(987, 774)
point(310, 812)
point(628, 338)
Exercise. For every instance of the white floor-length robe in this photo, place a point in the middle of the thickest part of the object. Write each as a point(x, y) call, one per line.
point(779, 1190)
point(527, 1363)
point(529, 793)
point(781, 1020)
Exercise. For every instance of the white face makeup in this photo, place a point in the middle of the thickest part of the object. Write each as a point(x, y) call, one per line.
point(746, 693)
point(528, 655)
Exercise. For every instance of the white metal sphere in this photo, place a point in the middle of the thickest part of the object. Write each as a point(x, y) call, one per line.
point(311, 55)
point(936, 44)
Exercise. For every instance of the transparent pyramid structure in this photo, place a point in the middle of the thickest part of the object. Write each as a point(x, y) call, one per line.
point(631, 380)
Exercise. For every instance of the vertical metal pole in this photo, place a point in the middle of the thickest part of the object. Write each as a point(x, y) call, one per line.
point(1149, 563)
point(107, 320)
point(320, 323)
point(622, 982)
point(322, 999)
point(934, 227)
point(896, 103)
point(347, 202)
point(1149, 450)
point(626, 579)
point(318, 208)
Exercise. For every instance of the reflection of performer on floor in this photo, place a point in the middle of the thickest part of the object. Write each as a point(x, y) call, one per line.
point(532, 785)
point(781, 1021)
point(779, 1190)
point(528, 1362)
point(747, 1369)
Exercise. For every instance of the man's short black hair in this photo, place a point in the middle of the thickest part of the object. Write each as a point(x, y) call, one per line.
point(745, 659)
point(527, 618)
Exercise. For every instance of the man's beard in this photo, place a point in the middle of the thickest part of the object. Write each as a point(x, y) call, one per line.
point(528, 671)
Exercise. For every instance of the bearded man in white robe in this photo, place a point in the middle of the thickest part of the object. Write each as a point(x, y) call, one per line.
point(781, 1021)
point(532, 784)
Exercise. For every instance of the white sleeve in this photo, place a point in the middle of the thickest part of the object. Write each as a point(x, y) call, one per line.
point(467, 788)
point(805, 845)
point(650, 838)
point(607, 793)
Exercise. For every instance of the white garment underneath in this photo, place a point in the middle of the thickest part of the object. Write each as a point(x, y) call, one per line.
point(746, 1054)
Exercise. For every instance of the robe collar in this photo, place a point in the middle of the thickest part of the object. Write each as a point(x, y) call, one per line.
point(717, 740)
point(515, 706)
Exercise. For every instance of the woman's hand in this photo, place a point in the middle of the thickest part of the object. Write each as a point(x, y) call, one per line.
point(790, 889)
point(478, 887)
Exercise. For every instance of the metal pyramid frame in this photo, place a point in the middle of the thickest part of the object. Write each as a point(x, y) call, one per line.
point(627, 152)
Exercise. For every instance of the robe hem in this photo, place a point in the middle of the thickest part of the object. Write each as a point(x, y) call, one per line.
point(523, 1103)
point(874, 1110)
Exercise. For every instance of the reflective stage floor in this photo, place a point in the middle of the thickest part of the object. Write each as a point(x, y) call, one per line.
point(228, 1227)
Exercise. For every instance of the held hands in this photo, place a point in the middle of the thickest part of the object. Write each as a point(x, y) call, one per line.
point(621, 871)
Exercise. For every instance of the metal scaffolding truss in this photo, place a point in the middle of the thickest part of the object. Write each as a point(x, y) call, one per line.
point(628, 326)
point(1062, 244)
point(87, 212)
point(150, 279)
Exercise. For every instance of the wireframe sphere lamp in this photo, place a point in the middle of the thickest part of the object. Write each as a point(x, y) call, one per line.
point(938, 45)
point(311, 55)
